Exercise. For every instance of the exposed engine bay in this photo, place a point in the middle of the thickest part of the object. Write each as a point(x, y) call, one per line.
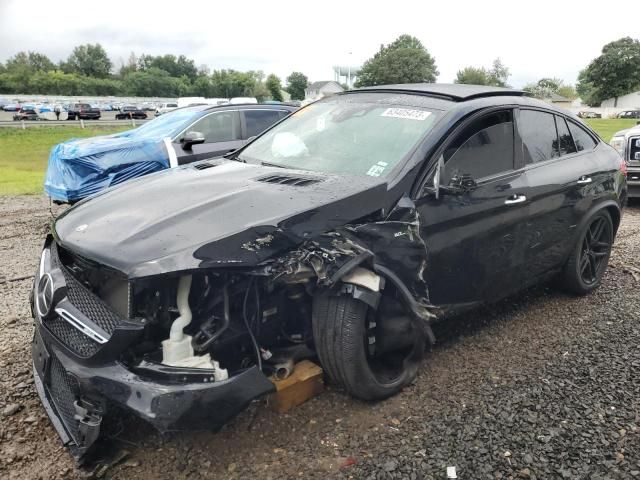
point(216, 319)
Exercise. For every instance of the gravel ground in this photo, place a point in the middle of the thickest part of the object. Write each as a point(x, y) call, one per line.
point(542, 386)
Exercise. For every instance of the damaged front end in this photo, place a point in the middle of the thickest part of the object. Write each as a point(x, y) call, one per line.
point(189, 349)
point(182, 352)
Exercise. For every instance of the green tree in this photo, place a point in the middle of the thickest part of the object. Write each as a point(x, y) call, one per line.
point(297, 82)
point(90, 60)
point(57, 82)
point(231, 83)
point(585, 90)
point(150, 83)
point(472, 76)
point(496, 76)
point(615, 72)
point(405, 60)
point(174, 66)
point(544, 87)
point(21, 68)
point(29, 62)
point(202, 86)
point(567, 91)
point(274, 86)
point(260, 92)
point(129, 67)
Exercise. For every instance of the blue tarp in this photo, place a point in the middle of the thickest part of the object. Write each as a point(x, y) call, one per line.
point(81, 167)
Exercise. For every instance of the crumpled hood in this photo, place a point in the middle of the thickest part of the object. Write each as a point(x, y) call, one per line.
point(225, 215)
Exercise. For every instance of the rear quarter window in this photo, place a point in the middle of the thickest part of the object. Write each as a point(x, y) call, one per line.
point(583, 139)
point(567, 145)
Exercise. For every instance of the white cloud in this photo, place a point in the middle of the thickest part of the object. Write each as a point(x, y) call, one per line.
point(545, 38)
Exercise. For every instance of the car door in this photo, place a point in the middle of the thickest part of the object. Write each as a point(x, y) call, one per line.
point(473, 237)
point(221, 130)
point(559, 179)
point(256, 121)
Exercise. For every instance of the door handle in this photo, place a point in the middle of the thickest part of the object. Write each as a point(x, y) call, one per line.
point(515, 199)
point(584, 180)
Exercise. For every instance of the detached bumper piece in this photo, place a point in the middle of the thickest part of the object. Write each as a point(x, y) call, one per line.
point(76, 419)
point(76, 397)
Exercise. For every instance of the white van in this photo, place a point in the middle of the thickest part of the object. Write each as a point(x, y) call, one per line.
point(166, 107)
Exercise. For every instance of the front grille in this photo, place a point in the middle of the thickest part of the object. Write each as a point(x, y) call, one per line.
point(64, 390)
point(89, 304)
point(85, 300)
point(77, 341)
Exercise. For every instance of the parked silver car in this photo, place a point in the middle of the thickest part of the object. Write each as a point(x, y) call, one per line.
point(627, 143)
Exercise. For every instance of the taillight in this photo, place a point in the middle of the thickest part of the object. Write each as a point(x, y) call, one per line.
point(623, 166)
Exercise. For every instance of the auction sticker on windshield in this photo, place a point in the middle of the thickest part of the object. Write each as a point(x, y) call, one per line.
point(377, 169)
point(406, 113)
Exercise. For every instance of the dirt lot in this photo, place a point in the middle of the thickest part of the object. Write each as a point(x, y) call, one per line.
point(541, 386)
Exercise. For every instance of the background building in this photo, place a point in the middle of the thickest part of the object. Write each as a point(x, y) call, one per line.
point(317, 90)
point(346, 74)
point(630, 100)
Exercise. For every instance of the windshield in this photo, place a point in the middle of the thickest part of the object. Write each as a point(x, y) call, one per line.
point(344, 134)
point(166, 125)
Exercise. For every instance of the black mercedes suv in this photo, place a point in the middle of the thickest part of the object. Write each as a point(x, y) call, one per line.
point(341, 233)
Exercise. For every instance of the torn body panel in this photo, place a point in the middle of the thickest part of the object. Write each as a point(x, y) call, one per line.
point(395, 242)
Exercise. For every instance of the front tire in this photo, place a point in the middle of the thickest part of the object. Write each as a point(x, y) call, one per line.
point(340, 330)
point(588, 261)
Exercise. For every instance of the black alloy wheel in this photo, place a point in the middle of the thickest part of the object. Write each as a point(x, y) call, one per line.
point(345, 337)
point(588, 261)
point(596, 247)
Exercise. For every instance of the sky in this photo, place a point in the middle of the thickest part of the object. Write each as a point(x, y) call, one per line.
point(533, 39)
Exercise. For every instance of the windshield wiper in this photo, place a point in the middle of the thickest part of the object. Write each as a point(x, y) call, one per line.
point(267, 164)
point(233, 155)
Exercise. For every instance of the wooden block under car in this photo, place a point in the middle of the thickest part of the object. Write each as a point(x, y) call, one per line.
point(304, 383)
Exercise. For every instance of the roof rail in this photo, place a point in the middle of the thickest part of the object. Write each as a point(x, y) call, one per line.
point(452, 92)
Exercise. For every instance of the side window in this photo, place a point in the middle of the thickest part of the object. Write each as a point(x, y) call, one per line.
point(259, 120)
point(218, 127)
point(539, 136)
point(564, 137)
point(483, 149)
point(583, 140)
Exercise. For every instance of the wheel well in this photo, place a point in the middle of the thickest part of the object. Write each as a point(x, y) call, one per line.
point(615, 217)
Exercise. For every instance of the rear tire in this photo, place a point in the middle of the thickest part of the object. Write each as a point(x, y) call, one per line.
point(340, 335)
point(588, 261)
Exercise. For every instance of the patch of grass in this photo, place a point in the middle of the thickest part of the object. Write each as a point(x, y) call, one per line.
point(24, 154)
point(606, 127)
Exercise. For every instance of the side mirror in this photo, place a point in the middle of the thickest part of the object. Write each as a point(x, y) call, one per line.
point(192, 138)
point(460, 184)
point(436, 176)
